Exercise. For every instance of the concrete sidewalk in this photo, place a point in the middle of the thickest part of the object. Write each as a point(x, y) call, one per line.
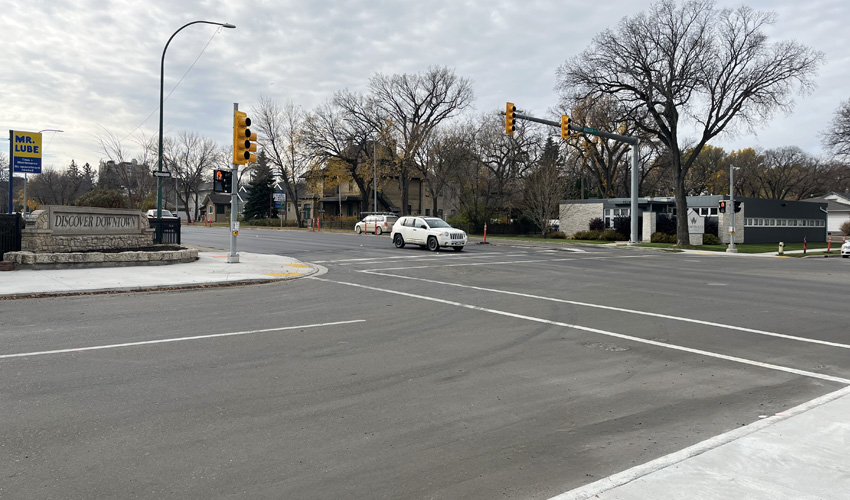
point(210, 268)
point(797, 454)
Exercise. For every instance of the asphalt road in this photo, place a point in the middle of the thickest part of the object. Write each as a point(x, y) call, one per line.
point(500, 371)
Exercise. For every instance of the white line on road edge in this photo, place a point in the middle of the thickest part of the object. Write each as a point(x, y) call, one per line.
point(710, 354)
point(620, 309)
point(179, 339)
point(627, 476)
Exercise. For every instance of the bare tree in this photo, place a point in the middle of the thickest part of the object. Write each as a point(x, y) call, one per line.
point(133, 171)
point(712, 67)
point(334, 135)
point(837, 139)
point(440, 157)
point(189, 157)
point(279, 130)
point(414, 106)
point(545, 186)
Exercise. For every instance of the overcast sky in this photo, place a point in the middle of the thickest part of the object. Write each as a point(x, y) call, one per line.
point(91, 67)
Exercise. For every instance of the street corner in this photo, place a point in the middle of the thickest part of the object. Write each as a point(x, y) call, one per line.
point(297, 270)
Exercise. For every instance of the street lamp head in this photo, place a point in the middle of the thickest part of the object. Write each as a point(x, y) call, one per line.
point(50, 130)
point(228, 25)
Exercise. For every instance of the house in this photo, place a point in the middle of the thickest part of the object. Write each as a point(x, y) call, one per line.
point(838, 210)
point(216, 208)
point(757, 221)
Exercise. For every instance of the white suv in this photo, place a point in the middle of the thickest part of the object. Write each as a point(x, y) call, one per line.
point(845, 249)
point(427, 231)
point(375, 224)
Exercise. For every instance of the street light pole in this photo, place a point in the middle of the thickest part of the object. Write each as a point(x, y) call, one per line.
point(161, 89)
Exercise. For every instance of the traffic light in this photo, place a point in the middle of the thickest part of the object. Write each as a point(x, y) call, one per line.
point(565, 127)
point(722, 206)
point(244, 141)
point(737, 206)
point(510, 120)
point(222, 181)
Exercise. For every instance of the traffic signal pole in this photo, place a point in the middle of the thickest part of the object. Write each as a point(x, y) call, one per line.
point(634, 141)
point(233, 257)
point(732, 248)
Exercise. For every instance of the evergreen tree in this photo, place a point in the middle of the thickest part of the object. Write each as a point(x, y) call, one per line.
point(260, 191)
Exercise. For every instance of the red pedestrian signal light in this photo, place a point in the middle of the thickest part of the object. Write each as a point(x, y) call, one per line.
point(722, 206)
point(222, 181)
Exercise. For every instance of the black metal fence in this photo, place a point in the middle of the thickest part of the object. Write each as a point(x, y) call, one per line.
point(165, 230)
point(10, 233)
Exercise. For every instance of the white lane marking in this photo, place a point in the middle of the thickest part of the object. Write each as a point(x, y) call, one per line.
point(398, 257)
point(432, 257)
point(603, 485)
point(620, 309)
point(602, 332)
point(178, 339)
point(503, 263)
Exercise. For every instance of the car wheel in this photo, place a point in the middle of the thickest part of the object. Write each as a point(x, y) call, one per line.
point(458, 249)
point(432, 244)
point(398, 241)
point(845, 256)
point(357, 229)
point(379, 230)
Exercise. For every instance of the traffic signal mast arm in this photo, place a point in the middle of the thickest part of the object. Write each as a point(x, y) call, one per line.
point(566, 123)
point(575, 128)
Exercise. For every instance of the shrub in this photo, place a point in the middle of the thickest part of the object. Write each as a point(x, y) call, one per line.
point(262, 222)
point(710, 239)
point(560, 235)
point(611, 235)
point(587, 235)
point(660, 237)
point(666, 224)
point(845, 227)
point(623, 225)
point(103, 198)
point(597, 224)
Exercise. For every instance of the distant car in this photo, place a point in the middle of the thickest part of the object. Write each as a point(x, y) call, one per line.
point(166, 214)
point(430, 232)
point(845, 249)
point(379, 224)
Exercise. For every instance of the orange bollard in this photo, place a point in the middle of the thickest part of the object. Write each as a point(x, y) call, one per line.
point(485, 232)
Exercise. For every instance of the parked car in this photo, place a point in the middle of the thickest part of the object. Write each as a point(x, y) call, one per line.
point(845, 249)
point(379, 224)
point(430, 232)
point(166, 214)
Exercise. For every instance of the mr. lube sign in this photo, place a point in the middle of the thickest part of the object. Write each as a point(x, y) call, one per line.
point(25, 155)
point(25, 151)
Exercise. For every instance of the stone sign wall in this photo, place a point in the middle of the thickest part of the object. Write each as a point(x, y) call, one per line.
point(58, 228)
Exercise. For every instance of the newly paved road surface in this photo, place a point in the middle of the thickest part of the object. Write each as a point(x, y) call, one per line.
point(501, 371)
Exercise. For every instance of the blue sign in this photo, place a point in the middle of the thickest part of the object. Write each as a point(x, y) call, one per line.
point(279, 198)
point(26, 152)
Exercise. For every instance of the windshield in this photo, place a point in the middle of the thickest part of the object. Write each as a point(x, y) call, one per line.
point(437, 223)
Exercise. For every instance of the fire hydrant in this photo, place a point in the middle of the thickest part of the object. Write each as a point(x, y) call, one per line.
point(781, 248)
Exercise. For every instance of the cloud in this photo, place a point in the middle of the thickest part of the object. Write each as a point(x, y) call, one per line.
point(86, 66)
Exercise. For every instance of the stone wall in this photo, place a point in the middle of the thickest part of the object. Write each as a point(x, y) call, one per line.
point(576, 217)
point(62, 229)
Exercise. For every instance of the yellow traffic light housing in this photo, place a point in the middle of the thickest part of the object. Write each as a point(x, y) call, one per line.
point(565, 127)
point(244, 141)
point(510, 120)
